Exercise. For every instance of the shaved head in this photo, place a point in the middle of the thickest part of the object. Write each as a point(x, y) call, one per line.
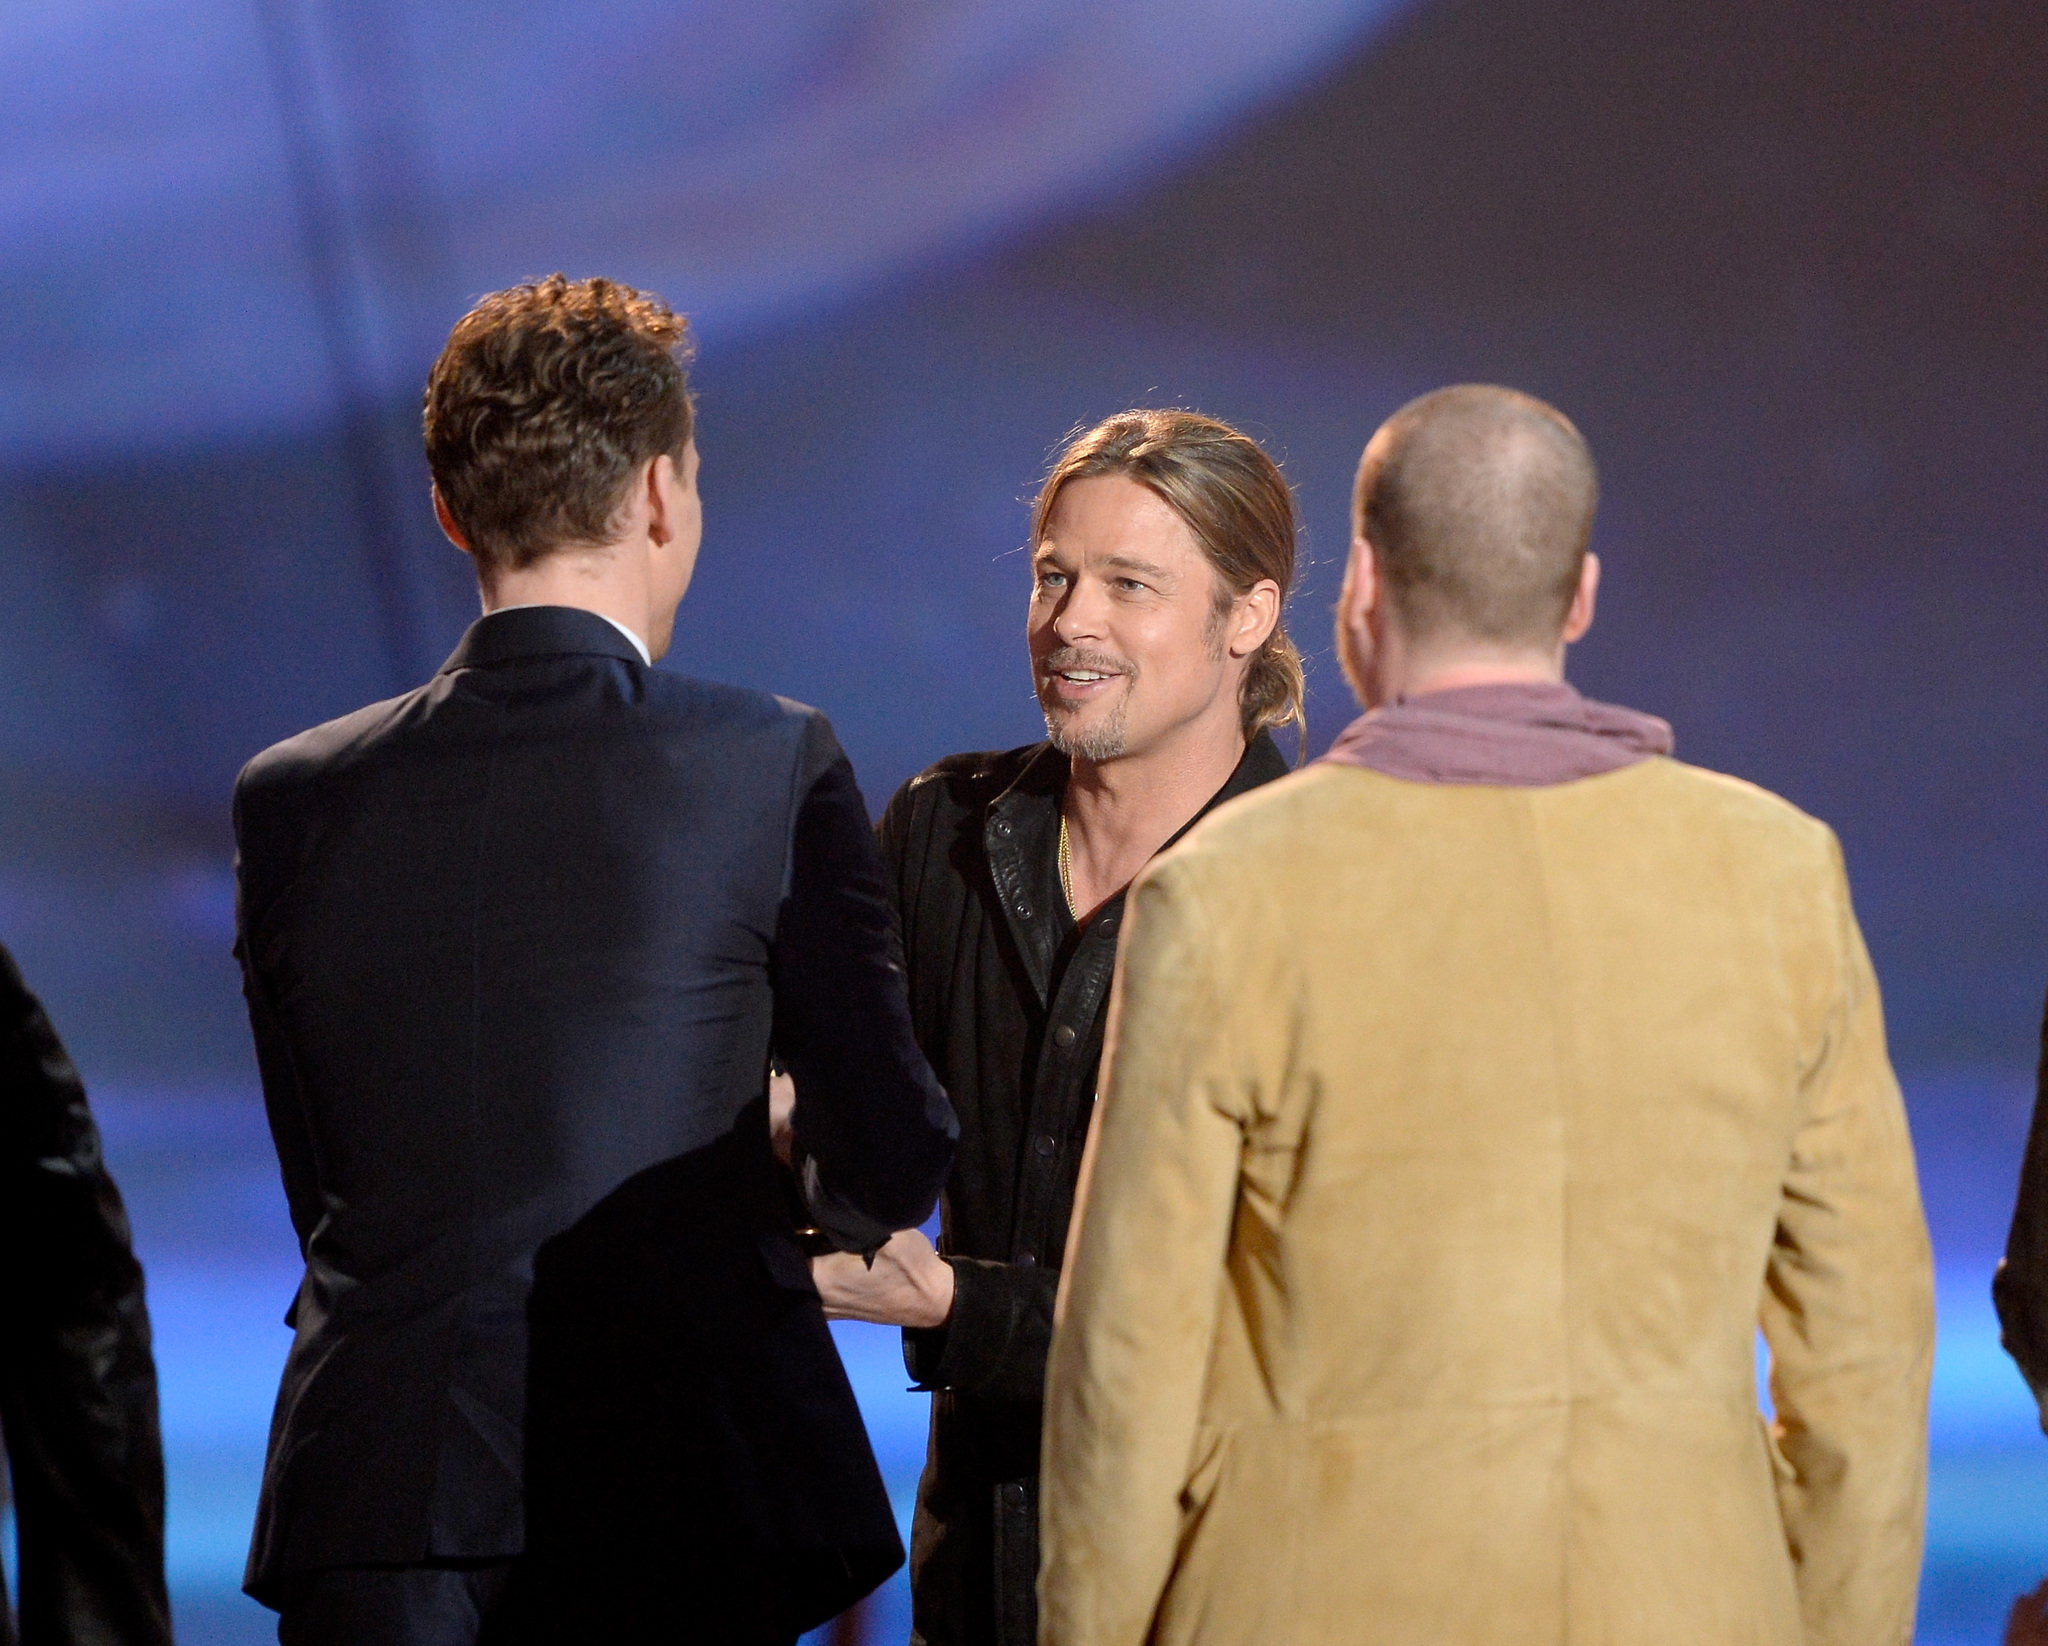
point(1478, 502)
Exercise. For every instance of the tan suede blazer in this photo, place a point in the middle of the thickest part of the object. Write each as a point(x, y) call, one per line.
point(1452, 1144)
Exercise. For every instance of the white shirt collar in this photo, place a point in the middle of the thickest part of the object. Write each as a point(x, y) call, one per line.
point(639, 645)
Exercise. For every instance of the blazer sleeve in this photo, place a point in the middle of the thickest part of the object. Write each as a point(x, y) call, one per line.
point(1137, 1312)
point(2020, 1288)
point(1848, 1310)
point(899, 839)
point(282, 1102)
point(78, 1398)
point(876, 1130)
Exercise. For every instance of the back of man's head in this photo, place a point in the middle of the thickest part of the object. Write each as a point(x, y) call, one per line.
point(545, 401)
point(1478, 502)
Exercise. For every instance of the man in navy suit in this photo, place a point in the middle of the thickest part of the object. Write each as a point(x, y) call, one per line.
point(517, 948)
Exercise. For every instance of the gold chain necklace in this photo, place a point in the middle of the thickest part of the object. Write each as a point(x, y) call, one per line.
point(1067, 870)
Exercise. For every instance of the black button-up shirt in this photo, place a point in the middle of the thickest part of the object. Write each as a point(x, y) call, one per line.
point(1009, 1000)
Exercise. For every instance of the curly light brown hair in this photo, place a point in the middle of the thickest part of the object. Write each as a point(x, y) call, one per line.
point(545, 401)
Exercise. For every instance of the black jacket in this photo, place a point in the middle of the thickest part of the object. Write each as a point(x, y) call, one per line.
point(515, 947)
point(1010, 1000)
point(2020, 1288)
point(77, 1384)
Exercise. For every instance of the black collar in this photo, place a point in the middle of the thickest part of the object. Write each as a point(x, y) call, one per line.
point(1261, 763)
point(1043, 779)
point(538, 631)
point(1020, 837)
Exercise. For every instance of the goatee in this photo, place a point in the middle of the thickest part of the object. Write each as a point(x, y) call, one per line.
point(1106, 741)
point(1109, 739)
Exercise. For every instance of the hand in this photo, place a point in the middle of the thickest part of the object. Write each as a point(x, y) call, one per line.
point(909, 1284)
point(781, 1116)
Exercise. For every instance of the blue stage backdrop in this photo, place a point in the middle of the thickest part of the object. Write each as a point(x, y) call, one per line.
point(1785, 264)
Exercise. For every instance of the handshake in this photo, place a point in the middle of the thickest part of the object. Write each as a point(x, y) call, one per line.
point(904, 1283)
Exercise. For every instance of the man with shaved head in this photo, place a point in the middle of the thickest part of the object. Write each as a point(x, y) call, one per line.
point(1478, 503)
point(1470, 1100)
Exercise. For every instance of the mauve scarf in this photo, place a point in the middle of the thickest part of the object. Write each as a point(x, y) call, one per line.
point(1520, 735)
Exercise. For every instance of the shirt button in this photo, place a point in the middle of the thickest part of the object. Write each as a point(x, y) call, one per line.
point(1027, 1261)
point(1106, 924)
point(1063, 1036)
point(1046, 1145)
point(1002, 828)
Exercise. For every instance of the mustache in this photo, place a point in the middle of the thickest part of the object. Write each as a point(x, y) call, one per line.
point(1079, 657)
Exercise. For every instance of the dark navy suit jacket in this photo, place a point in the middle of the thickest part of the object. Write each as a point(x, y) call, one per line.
point(516, 947)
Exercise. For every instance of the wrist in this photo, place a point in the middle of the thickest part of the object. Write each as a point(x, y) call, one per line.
point(937, 1290)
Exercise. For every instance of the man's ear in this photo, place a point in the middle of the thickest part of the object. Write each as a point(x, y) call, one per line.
point(1258, 614)
point(449, 528)
point(652, 492)
point(1360, 596)
point(1578, 618)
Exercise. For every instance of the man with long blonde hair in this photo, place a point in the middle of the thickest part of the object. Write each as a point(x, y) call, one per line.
point(1162, 550)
